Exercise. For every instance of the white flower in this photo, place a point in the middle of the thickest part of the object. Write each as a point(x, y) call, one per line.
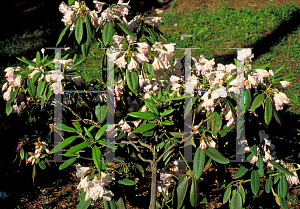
point(81, 171)
point(4, 86)
point(157, 65)
point(77, 80)
point(285, 83)
point(120, 62)
point(220, 92)
point(83, 183)
point(230, 68)
point(203, 145)
point(132, 65)
point(245, 55)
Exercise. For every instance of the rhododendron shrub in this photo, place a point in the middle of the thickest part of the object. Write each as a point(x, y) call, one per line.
point(151, 108)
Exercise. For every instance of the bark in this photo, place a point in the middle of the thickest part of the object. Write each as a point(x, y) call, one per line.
point(153, 185)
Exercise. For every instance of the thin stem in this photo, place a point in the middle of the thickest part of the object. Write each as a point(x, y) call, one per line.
point(185, 160)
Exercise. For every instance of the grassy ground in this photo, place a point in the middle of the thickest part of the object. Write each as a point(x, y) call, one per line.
point(273, 32)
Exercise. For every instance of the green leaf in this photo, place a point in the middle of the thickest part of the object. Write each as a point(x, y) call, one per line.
point(268, 111)
point(8, 108)
point(247, 100)
point(78, 147)
point(242, 192)
point(257, 101)
point(101, 132)
point(269, 184)
point(63, 127)
point(150, 71)
point(216, 122)
point(282, 187)
point(22, 154)
point(36, 76)
point(277, 177)
point(167, 123)
point(199, 162)
point(83, 49)
point(25, 72)
point(216, 155)
point(132, 80)
point(128, 32)
point(88, 133)
point(70, 2)
point(194, 193)
point(143, 115)
point(77, 126)
point(277, 70)
point(254, 182)
point(227, 195)
point(31, 87)
point(79, 30)
point(38, 58)
point(140, 168)
point(253, 149)
point(236, 201)
point(120, 203)
point(107, 32)
point(144, 128)
point(40, 88)
point(27, 61)
point(166, 112)
point(90, 30)
point(177, 134)
point(62, 34)
point(277, 166)
point(67, 163)
point(63, 144)
point(127, 182)
point(84, 204)
point(96, 154)
point(283, 202)
point(181, 191)
point(42, 164)
point(276, 116)
point(260, 165)
point(100, 112)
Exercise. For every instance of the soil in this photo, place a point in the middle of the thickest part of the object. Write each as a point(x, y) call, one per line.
point(16, 180)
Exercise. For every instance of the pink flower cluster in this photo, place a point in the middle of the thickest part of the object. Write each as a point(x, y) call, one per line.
point(13, 80)
point(37, 153)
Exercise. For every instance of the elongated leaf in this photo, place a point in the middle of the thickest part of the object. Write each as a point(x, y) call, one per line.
point(276, 116)
point(276, 179)
point(166, 112)
point(144, 128)
point(150, 71)
point(194, 193)
point(84, 204)
point(88, 133)
point(177, 134)
point(78, 147)
point(277, 166)
point(23, 59)
point(253, 149)
point(132, 80)
point(216, 123)
point(247, 100)
point(70, 2)
point(236, 201)
point(90, 29)
point(120, 203)
point(100, 112)
point(62, 34)
point(257, 101)
point(40, 88)
point(277, 70)
point(79, 30)
point(254, 182)
point(199, 162)
point(38, 58)
point(8, 108)
point(181, 191)
point(242, 192)
point(42, 164)
point(167, 123)
point(107, 32)
point(63, 127)
point(31, 87)
point(226, 195)
point(268, 111)
point(24, 72)
point(63, 144)
point(282, 187)
point(283, 202)
point(216, 155)
point(77, 126)
point(269, 184)
point(36, 76)
point(96, 153)
point(101, 132)
point(67, 163)
point(127, 182)
point(128, 32)
point(260, 165)
point(143, 115)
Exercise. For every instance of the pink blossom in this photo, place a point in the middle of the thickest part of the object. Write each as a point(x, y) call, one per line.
point(285, 83)
point(254, 159)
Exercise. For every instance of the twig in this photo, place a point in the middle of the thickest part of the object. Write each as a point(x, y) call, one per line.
point(183, 140)
point(148, 146)
point(143, 159)
point(132, 143)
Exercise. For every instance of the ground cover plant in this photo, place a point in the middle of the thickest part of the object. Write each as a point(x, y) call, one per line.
point(219, 186)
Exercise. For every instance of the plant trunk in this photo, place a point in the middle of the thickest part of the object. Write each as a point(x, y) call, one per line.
point(153, 186)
